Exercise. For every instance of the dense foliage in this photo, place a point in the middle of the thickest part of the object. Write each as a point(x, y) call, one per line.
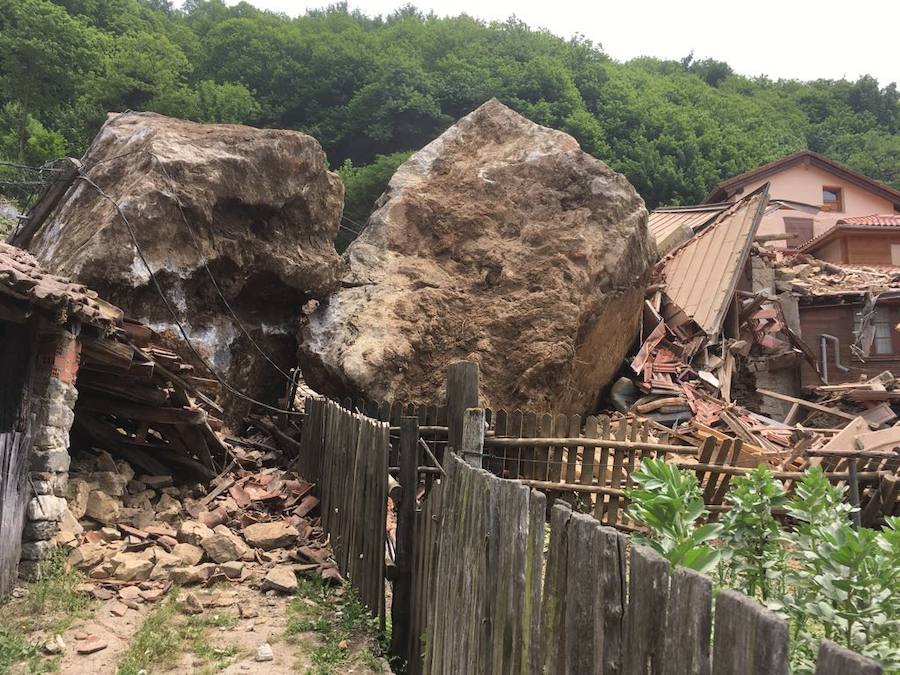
point(825, 577)
point(368, 88)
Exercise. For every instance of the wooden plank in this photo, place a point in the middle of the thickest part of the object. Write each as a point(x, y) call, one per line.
point(65, 172)
point(401, 606)
point(835, 412)
point(748, 639)
point(588, 461)
point(500, 459)
point(600, 470)
point(141, 413)
point(610, 571)
point(472, 441)
point(514, 430)
point(542, 452)
point(834, 659)
point(645, 626)
point(528, 451)
point(689, 622)
point(572, 450)
point(722, 488)
point(583, 624)
point(532, 611)
point(462, 393)
point(712, 477)
point(554, 466)
point(553, 609)
point(612, 515)
point(510, 590)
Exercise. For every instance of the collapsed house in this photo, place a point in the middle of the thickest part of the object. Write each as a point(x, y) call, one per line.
point(134, 399)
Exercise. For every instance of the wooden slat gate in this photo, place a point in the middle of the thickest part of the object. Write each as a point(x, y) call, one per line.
point(14, 491)
point(350, 452)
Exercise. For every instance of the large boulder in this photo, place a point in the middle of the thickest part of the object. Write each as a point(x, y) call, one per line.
point(263, 210)
point(503, 242)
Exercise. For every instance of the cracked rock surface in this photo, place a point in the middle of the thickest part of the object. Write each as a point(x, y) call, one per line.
point(502, 242)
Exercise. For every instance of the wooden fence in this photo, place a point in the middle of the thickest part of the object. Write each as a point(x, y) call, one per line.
point(347, 455)
point(492, 606)
point(472, 591)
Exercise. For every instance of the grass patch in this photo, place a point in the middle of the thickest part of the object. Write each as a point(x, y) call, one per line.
point(14, 649)
point(154, 642)
point(339, 621)
point(49, 605)
point(166, 634)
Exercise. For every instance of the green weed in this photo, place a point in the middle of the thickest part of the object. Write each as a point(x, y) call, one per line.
point(338, 621)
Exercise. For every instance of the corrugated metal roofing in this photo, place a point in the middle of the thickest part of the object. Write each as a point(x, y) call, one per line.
point(672, 225)
point(702, 275)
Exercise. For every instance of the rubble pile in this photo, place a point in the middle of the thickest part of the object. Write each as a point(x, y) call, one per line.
point(804, 275)
point(134, 536)
point(501, 242)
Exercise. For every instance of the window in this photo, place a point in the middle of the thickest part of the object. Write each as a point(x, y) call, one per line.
point(832, 199)
point(802, 228)
point(883, 344)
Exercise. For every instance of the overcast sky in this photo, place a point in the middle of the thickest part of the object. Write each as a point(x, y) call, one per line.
point(799, 39)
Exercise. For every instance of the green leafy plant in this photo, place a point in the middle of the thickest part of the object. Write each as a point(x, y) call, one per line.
point(668, 502)
point(756, 554)
point(843, 582)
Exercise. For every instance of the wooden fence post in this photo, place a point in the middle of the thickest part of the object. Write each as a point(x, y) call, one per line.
point(472, 445)
point(836, 660)
point(645, 625)
point(689, 624)
point(749, 639)
point(67, 169)
point(401, 609)
point(462, 393)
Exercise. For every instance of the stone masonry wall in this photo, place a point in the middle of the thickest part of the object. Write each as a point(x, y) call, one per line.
point(53, 398)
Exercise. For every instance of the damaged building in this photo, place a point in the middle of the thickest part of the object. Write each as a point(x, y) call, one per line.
point(76, 371)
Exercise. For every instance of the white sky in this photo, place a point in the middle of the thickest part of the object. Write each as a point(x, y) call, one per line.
point(801, 39)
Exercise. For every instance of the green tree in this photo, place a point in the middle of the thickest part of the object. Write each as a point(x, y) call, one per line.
point(44, 53)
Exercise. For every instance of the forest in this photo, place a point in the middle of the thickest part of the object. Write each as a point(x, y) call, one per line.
point(373, 89)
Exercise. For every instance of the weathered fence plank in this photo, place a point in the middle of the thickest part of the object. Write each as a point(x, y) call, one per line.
point(648, 597)
point(836, 660)
point(583, 626)
point(749, 640)
point(553, 608)
point(404, 556)
point(688, 624)
point(462, 393)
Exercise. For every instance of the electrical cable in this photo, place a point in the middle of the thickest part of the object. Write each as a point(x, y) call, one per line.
point(196, 242)
point(171, 309)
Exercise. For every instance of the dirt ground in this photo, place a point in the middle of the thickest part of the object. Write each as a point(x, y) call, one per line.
point(320, 630)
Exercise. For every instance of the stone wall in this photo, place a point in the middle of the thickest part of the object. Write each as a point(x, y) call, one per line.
point(52, 401)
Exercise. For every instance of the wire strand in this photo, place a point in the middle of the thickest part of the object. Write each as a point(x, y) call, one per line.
point(171, 309)
point(212, 279)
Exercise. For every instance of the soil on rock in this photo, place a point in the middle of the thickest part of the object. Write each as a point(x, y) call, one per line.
point(503, 242)
point(262, 207)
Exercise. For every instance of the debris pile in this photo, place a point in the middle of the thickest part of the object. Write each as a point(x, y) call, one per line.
point(134, 535)
point(502, 242)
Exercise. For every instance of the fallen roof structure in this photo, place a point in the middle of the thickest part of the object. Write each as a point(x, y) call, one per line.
point(137, 399)
point(671, 226)
point(702, 274)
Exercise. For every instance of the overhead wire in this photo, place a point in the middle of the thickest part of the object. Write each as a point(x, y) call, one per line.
point(233, 390)
point(290, 378)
